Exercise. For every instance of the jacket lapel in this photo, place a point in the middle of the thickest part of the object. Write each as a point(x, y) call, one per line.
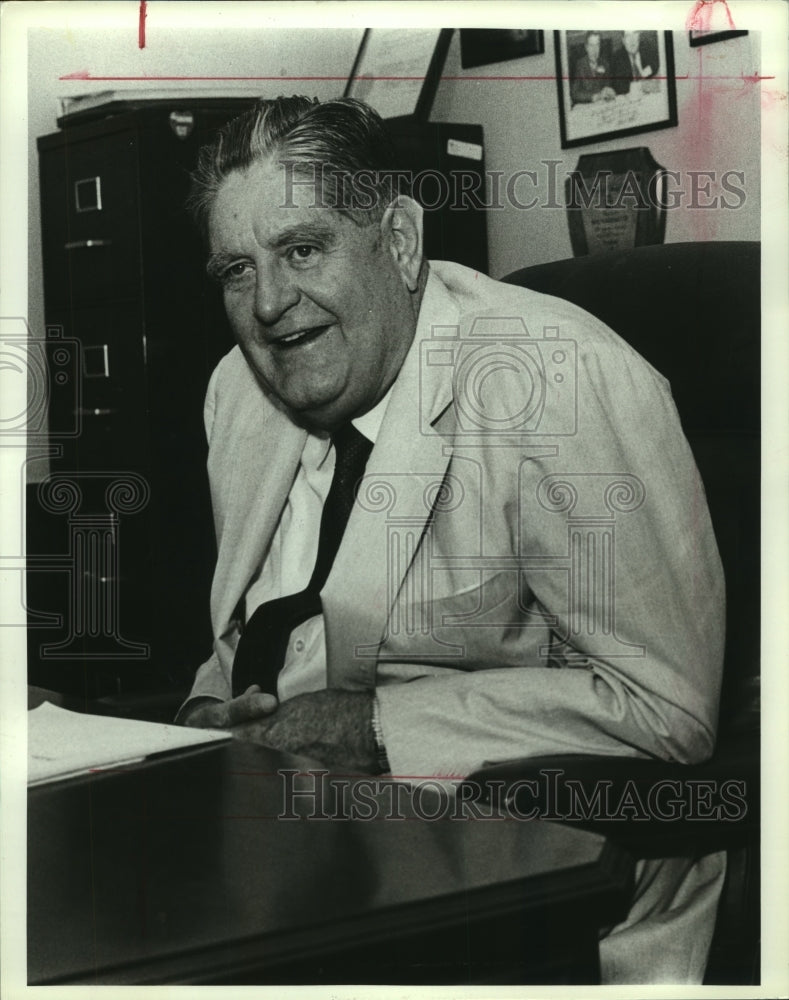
point(395, 502)
point(254, 481)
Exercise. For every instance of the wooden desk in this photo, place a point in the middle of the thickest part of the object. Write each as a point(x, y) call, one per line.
point(180, 871)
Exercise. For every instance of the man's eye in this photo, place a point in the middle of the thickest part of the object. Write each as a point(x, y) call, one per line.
point(301, 252)
point(233, 272)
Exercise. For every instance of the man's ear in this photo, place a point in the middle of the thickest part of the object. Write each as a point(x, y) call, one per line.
point(401, 229)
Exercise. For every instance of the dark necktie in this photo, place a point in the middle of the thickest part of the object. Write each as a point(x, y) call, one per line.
point(260, 653)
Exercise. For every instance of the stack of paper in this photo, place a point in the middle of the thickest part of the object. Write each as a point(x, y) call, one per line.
point(62, 744)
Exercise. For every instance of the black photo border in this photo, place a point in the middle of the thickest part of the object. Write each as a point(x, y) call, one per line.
point(697, 38)
point(669, 122)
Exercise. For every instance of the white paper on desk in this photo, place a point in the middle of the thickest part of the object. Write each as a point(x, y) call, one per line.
point(62, 744)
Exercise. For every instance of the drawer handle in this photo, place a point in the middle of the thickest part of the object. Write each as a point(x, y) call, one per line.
point(97, 411)
point(85, 244)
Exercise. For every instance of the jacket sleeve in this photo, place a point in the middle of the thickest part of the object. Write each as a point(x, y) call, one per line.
point(651, 689)
point(210, 680)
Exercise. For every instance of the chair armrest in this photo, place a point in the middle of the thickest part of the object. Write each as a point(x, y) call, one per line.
point(650, 807)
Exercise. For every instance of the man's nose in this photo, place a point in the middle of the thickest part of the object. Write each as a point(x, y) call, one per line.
point(275, 293)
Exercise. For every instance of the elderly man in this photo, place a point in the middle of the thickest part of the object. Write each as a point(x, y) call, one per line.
point(394, 449)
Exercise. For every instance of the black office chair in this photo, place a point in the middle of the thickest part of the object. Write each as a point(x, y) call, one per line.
point(693, 311)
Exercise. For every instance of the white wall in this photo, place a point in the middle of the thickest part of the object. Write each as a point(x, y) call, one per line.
point(719, 129)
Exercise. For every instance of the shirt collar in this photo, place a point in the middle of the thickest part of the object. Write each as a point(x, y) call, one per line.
point(369, 424)
point(318, 445)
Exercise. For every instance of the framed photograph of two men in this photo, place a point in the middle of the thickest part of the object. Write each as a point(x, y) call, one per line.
point(614, 83)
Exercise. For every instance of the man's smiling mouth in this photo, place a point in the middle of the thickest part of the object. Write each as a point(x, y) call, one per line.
point(301, 337)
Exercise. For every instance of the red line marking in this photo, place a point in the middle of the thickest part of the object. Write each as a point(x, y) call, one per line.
point(141, 28)
point(86, 75)
point(331, 775)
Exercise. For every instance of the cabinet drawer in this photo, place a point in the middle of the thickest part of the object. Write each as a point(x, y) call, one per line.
point(100, 411)
point(90, 228)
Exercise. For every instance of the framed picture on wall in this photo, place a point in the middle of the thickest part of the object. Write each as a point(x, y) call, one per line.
point(614, 83)
point(397, 70)
point(482, 46)
point(707, 37)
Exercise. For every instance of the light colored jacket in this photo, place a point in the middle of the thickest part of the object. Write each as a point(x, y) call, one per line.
point(530, 567)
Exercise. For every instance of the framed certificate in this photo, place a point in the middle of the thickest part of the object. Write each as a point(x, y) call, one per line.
point(397, 70)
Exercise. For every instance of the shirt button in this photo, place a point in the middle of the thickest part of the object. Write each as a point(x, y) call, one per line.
point(298, 645)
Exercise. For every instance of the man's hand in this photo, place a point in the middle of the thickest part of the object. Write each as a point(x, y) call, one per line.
point(207, 713)
point(333, 726)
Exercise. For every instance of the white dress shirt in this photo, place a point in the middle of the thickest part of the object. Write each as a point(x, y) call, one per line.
point(287, 566)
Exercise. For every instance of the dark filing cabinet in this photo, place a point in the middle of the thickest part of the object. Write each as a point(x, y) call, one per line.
point(119, 536)
point(133, 332)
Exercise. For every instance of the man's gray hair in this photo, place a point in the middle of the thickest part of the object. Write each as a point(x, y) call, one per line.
point(341, 145)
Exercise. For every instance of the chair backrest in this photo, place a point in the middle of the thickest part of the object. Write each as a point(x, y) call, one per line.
point(693, 311)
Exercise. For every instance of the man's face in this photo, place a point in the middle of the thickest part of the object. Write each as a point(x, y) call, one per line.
point(593, 48)
point(318, 304)
point(630, 41)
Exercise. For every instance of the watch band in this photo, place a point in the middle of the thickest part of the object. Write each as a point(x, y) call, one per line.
point(381, 759)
